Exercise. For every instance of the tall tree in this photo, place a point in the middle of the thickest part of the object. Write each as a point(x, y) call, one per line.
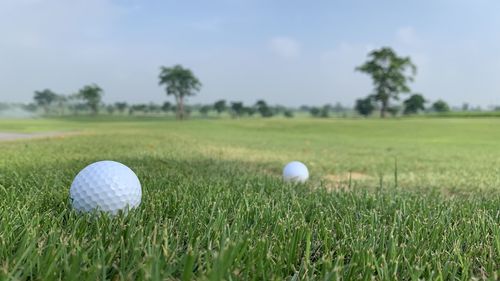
point(179, 82)
point(390, 74)
point(45, 98)
point(92, 95)
point(414, 104)
point(220, 106)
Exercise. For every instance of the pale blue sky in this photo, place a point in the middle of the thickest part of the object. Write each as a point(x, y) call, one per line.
point(287, 52)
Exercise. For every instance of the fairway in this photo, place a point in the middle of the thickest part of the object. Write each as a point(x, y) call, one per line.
point(411, 198)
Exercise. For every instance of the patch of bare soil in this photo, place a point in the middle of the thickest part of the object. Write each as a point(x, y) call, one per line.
point(341, 181)
point(347, 176)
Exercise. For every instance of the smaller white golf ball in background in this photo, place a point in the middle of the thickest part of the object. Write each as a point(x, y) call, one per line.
point(106, 186)
point(295, 172)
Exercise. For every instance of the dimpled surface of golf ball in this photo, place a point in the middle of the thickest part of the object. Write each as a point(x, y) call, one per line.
point(106, 186)
point(295, 172)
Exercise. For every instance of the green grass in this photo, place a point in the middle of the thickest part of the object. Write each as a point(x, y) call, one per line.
point(401, 199)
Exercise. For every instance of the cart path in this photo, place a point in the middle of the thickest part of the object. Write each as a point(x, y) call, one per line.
point(10, 136)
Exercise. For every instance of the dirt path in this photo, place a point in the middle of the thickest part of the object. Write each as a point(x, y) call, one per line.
point(8, 136)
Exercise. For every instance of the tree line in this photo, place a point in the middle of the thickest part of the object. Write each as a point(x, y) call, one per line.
point(56, 104)
point(390, 73)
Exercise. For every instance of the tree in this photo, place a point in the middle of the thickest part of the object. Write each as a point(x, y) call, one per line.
point(179, 82)
point(205, 109)
point(440, 106)
point(92, 95)
point(121, 106)
point(263, 109)
point(249, 110)
point(166, 107)
point(365, 106)
point(288, 113)
point(220, 106)
point(237, 109)
point(390, 74)
point(315, 111)
point(414, 104)
point(44, 99)
point(325, 111)
point(144, 108)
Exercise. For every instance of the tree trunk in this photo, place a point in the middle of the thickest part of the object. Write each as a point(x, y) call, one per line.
point(180, 108)
point(383, 109)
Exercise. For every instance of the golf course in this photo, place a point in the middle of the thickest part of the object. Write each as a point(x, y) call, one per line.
point(403, 198)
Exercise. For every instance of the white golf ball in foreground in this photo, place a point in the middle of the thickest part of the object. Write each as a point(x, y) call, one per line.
point(105, 186)
point(295, 171)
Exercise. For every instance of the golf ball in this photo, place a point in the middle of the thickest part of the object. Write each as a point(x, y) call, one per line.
point(295, 172)
point(106, 186)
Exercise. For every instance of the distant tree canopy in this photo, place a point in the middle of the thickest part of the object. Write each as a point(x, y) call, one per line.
point(205, 109)
point(249, 110)
point(440, 106)
point(263, 109)
point(390, 74)
point(45, 98)
point(315, 111)
point(92, 95)
point(179, 82)
point(166, 107)
point(237, 109)
point(220, 106)
point(121, 106)
point(365, 106)
point(325, 111)
point(414, 104)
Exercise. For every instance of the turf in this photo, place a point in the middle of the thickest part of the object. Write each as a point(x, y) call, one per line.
point(388, 199)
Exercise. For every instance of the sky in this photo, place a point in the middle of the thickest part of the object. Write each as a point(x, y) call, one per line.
point(283, 51)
